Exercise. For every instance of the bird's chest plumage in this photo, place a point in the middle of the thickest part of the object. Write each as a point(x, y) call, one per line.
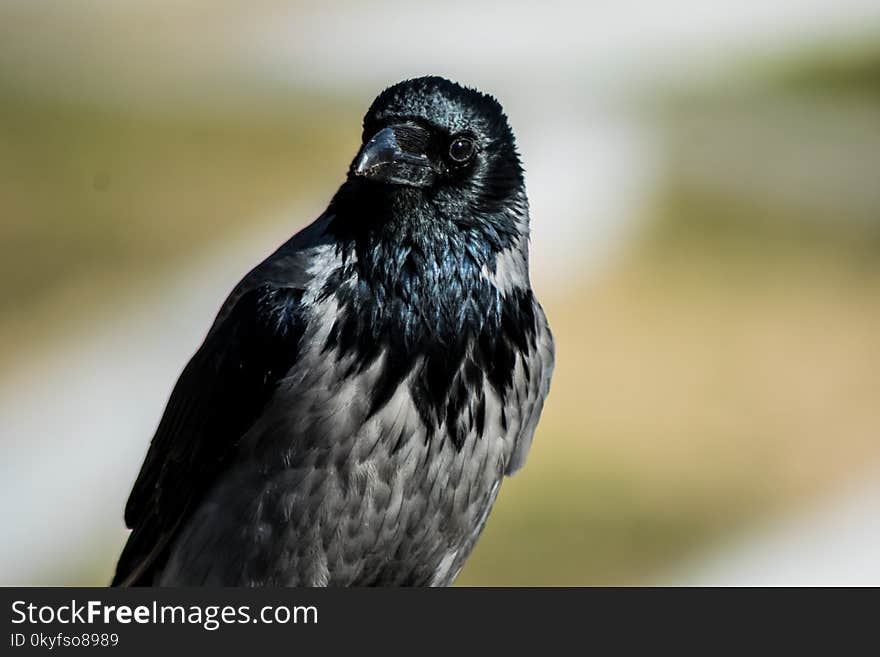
point(364, 495)
point(379, 457)
point(400, 445)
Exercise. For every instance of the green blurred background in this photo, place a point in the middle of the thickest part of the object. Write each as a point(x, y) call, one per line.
point(705, 189)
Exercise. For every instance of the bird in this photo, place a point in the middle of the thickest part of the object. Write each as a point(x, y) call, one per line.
point(364, 391)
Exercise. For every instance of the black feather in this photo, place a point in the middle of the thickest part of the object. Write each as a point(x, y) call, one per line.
point(220, 393)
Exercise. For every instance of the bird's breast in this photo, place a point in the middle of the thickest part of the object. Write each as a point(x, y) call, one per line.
point(373, 485)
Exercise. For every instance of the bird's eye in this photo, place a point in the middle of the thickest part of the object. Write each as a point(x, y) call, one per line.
point(461, 150)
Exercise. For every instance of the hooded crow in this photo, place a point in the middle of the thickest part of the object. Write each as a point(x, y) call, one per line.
point(362, 393)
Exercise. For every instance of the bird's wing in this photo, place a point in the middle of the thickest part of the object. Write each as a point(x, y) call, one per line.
point(536, 372)
point(252, 345)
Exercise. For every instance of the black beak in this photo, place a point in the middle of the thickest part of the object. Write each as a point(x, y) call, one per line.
point(384, 160)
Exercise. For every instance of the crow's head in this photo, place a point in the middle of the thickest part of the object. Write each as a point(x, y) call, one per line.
point(444, 146)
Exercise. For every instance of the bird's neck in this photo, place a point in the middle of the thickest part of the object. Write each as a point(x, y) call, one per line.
point(425, 295)
point(418, 269)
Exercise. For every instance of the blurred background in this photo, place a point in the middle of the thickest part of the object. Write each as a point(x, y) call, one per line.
point(705, 188)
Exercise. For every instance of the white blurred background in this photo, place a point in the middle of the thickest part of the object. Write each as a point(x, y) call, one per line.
point(706, 239)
